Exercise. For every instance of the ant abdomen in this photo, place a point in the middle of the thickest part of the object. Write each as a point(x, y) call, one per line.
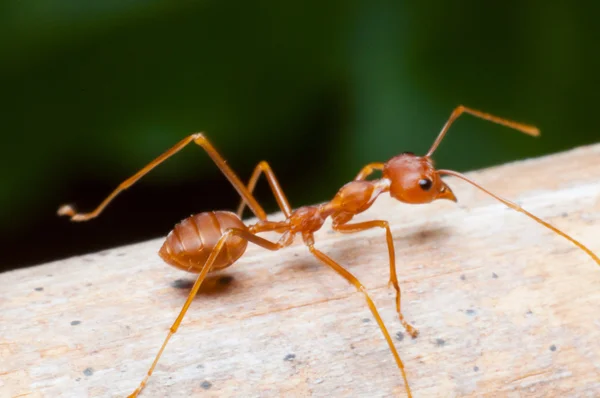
point(189, 244)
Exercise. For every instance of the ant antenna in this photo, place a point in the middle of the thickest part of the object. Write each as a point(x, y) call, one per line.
point(459, 110)
point(518, 208)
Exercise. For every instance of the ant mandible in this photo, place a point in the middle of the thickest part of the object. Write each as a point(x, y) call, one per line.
point(211, 241)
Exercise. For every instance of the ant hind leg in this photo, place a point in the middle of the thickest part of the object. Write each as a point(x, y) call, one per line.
point(205, 269)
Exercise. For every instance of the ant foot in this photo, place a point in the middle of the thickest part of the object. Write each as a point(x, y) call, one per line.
point(66, 210)
point(414, 332)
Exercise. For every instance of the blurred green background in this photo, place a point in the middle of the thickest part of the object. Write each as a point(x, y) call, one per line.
point(92, 91)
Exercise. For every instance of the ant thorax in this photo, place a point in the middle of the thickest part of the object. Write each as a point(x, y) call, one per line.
point(353, 198)
point(306, 219)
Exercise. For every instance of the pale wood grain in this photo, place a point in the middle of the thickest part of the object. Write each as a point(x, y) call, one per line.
point(505, 307)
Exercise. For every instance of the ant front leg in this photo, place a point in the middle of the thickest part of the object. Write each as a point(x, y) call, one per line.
point(368, 170)
point(264, 167)
point(363, 226)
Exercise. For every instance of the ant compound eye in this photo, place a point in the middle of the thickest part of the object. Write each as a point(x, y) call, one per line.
point(425, 184)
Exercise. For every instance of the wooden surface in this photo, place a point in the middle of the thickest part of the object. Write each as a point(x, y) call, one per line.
point(504, 307)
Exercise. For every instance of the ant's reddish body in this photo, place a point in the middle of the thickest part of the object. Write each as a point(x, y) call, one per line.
point(214, 240)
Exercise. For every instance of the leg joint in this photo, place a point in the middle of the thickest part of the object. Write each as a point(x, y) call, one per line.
point(198, 137)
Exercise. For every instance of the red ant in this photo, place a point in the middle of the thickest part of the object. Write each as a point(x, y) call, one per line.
point(211, 241)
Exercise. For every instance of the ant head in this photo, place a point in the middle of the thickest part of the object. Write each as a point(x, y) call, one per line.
point(414, 179)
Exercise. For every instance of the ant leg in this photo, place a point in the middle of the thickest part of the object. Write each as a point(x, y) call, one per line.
point(368, 170)
point(205, 269)
point(264, 167)
point(362, 226)
point(359, 286)
point(199, 139)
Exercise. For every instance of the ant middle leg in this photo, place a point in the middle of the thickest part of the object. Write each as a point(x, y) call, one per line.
point(363, 226)
point(264, 167)
point(344, 273)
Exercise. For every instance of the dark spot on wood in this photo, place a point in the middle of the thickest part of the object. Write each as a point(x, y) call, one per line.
point(463, 278)
point(399, 336)
point(476, 368)
point(366, 320)
point(225, 280)
point(289, 357)
point(200, 366)
point(121, 254)
point(565, 214)
point(182, 283)
point(88, 284)
point(206, 384)
point(77, 379)
point(470, 312)
point(352, 346)
point(330, 232)
point(552, 347)
point(305, 265)
point(88, 371)
point(38, 289)
point(296, 255)
point(75, 323)
point(428, 235)
point(494, 275)
point(529, 313)
point(49, 275)
point(440, 342)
